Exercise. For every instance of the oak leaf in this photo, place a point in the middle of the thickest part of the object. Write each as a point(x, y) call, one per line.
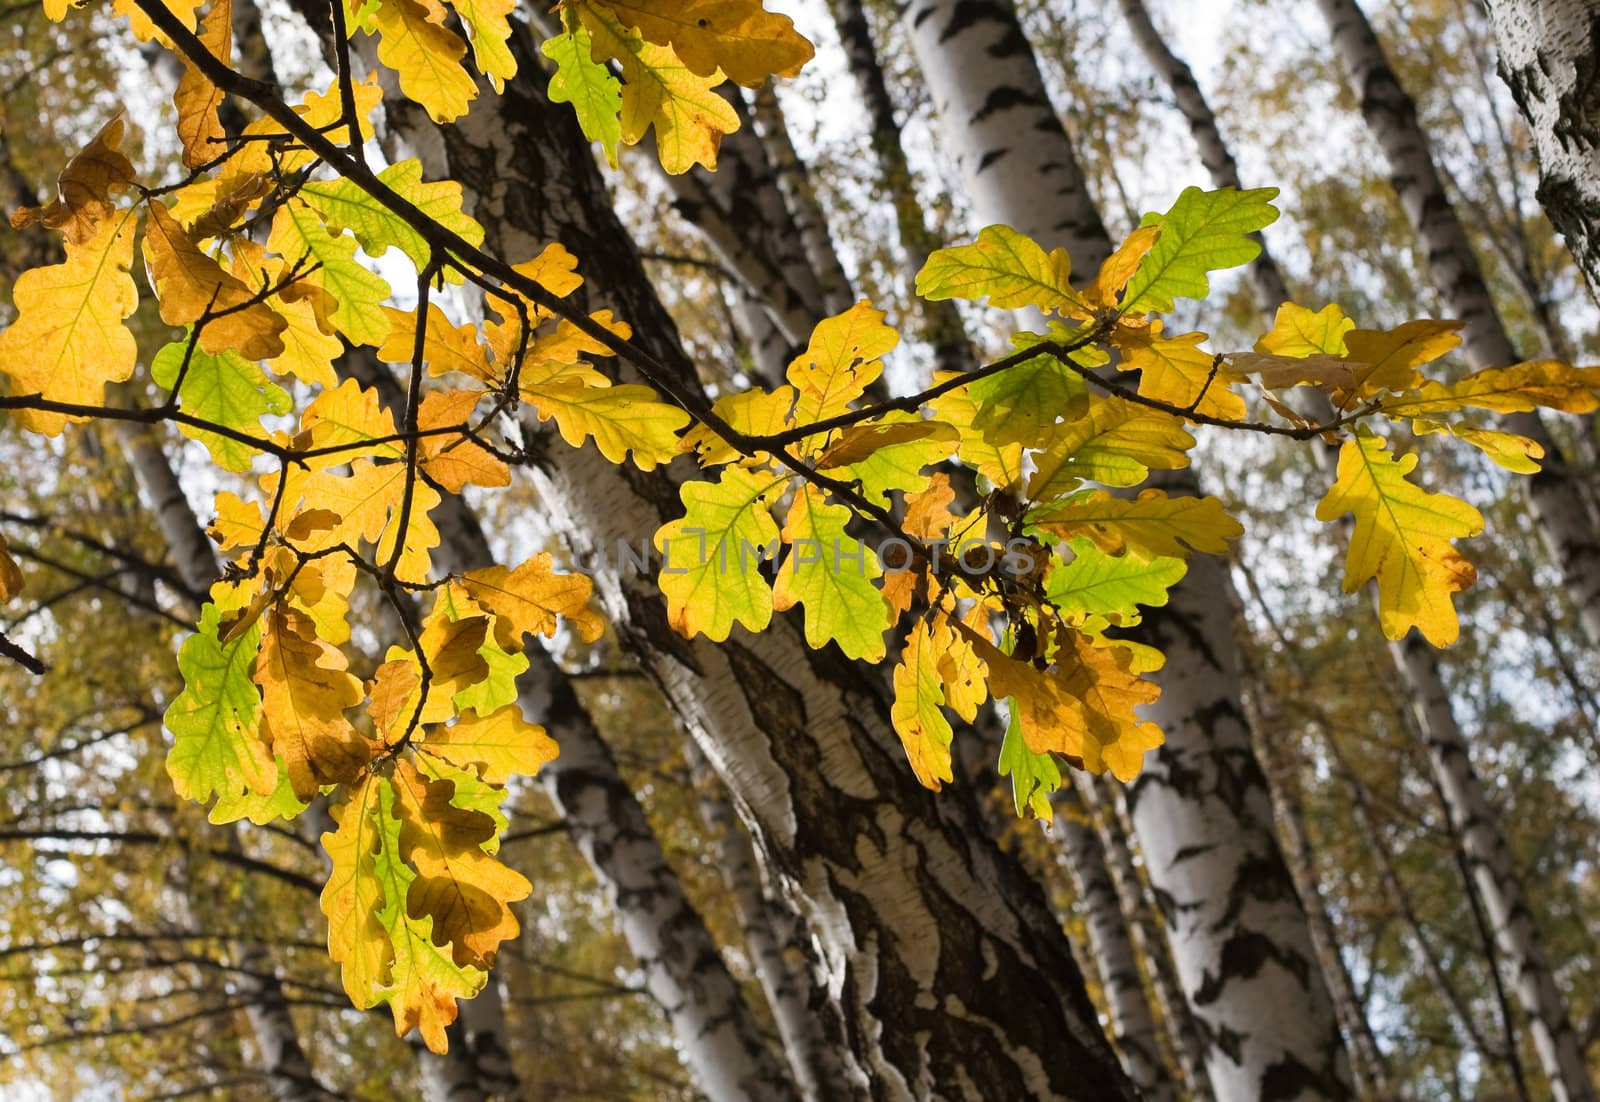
point(305, 690)
point(1402, 538)
point(68, 340)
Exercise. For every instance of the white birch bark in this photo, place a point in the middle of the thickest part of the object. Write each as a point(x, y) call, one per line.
point(1149, 938)
point(800, 193)
point(996, 119)
point(1133, 1027)
point(941, 323)
point(950, 972)
point(1270, 286)
point(1200, 807)
point(1370, 1068)
point(1560, 510)
point(774, 937)
point(1549, 53)
point(1473, 817)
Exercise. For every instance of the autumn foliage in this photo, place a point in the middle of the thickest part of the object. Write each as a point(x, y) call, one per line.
point(1023, 591)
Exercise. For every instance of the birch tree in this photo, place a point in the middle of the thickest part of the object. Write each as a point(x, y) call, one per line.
point(1546, 47)
point(1200, 806)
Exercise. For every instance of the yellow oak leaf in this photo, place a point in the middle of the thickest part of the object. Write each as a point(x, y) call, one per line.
point(464, 890)
point(10, 573)
point(453, 459)
point(964, 675)
point(497, 746)
point(489, 29)
point(1176, 370)
point(1152, 525)
point(529, 599)
point(197, 99)
point(844, 357)
point(1082, 706)
point(1388, 359)
point(349, 418)
point(191, 286)
point(1001, 464)
point(1115, 443)
point(710, 570)
point(305, 690)
point(859, 443)
point(392, 697)
point(754, 412)
point(830, 573)
point(85, 189)
point(739, 37)
point(68, 340)
point(689, 115)
point(1119, 267)
point(1402, 538)
point(445, 347)
point(353, 896)
point(928, 515)
point(916, 712)
point(144, 29)
point(427, 57)
point(1006, 266)
point(623, 419)
point(323, 110)
point(1509, 450)
point(1515, 389)
point(354, 294)
point(1298, 332)
point(424, 980)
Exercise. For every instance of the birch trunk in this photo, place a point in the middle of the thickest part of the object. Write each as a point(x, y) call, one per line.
point(1271, 290)
point(951, 974)
point(1200, 808)
point(800, 193)
point(1559, 507)
point(1150, 940)
point(1473, 818)
point(1549, 53)
point(1133, 1027)
point(1559, 510)
point(775, 939)
point(741, 213)
point(1270, 286)
point(998, 123)
point(1370, 1068)
point(942, 327)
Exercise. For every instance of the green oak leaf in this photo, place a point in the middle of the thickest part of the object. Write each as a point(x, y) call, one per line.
point(225, 389)
point(594, 93)
point(1205, 231)
point(830, 574)
point(1113, 586)
point(215, 722)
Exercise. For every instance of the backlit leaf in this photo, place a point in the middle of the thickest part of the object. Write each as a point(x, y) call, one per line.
point(739, 37)
point(710, 569)
point(830, 573)
point(1402, 538)
point(595, 94)
point(68, 340)
point(917, 709)
point(225, 389)
point(1203, 232)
